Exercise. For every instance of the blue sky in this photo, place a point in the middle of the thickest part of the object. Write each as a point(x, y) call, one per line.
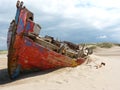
point(73, 20)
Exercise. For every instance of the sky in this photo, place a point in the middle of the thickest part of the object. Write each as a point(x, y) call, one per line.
point(78, 21)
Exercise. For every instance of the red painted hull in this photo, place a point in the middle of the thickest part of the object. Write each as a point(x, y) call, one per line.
point(32, 55)
point(29, 55)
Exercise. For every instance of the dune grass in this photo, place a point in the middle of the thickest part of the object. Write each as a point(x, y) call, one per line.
point(3, 51)
point(117, 44)
point(93, 47)
point(105, 45)
point(101, 45)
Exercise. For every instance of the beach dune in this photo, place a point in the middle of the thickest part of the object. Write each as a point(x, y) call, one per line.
point(83, 77)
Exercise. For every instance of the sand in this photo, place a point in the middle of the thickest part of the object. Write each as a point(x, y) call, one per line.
point(83, 77)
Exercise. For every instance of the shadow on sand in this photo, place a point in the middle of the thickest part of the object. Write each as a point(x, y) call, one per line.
point(4, 77)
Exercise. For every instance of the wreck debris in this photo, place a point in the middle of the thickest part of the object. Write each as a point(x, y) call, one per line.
point(28, 51)
point(100, 65)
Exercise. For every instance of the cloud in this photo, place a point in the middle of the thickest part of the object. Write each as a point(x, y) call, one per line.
point(3, 44)
point(72, 20)
point(2, 38)
point(102, 37)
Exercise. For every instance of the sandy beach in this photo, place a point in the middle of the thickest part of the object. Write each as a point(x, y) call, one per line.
point(83, 77)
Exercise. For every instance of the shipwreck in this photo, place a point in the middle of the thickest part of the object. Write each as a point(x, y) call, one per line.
point(27, 51)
